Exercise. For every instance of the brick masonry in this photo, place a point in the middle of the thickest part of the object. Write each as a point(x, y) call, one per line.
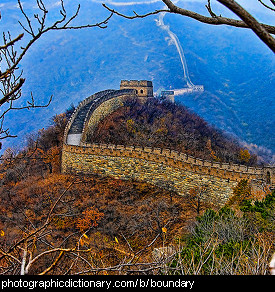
point(162, 167)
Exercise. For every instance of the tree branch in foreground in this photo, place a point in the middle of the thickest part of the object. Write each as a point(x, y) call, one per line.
point(10, 57)
point(262, 30)
point(252, 23)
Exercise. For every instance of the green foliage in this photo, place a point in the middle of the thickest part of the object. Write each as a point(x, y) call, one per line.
point(263, 207)
point(222, 239)
point(213, 234)
point(260, 213)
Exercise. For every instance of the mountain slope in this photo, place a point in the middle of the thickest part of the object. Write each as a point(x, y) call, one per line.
point(233, 65)
point(166, 125)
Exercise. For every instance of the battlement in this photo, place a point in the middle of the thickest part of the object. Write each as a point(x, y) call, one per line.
point(130, 83)
point(175, 159)
point(158, 166)
point(143, 88)
point(162, 167)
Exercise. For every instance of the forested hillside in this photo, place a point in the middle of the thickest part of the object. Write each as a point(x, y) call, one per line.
point(53, 223)
point(167, 125)
point(235, 68)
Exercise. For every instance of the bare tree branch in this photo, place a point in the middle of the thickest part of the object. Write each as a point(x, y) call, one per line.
point(18, 38)
point(51, 267)
point(252, 23)
point(10, 80)
point(262, 30)
point(209, 8)
point(15, 89)
point(135, 14)
point(267, 6)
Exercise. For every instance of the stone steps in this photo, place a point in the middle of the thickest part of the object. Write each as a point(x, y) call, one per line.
point(77, 125)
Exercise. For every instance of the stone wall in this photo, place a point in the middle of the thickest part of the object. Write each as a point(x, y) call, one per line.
point(103, 110)
point(129, 164)
point(162, 167)
point(173, 158)
point(81, 104)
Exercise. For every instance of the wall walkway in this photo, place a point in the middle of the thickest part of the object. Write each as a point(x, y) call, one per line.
point(162, 167)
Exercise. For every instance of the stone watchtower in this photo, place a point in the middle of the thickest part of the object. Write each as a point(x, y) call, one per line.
point(143, 88)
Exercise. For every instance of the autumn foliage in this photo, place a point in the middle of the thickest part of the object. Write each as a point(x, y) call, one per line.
point(53, 223)
point(166, 125)
point(88, 219)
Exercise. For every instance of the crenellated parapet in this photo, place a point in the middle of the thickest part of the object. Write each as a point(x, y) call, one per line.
point(175, 159)
point(178, 170)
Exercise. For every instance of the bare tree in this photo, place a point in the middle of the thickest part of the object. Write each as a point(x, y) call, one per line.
point(196, 199)
point(11, 80)
point(262, 30)
point(34, 253)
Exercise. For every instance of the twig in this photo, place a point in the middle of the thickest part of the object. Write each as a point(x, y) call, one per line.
point(53, 264)
point(136, 15)
point(11, 43)
point(209, 8)
point(14, 90)
point(267, 6)
point(218, 20)
point(251, 22)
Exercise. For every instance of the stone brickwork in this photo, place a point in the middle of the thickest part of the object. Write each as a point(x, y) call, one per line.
point(143, 88)
point(162, 167)
point(128, 164)
point(99, 113)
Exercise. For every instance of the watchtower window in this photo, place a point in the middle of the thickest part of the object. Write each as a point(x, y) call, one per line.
point(141, 91)
point(268, 180)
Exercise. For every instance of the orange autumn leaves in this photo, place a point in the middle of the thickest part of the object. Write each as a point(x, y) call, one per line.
point(89, 218)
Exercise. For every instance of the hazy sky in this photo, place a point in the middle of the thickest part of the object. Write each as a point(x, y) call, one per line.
point(249, 4)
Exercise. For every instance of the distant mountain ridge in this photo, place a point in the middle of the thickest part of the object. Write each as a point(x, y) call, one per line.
point(236, 69)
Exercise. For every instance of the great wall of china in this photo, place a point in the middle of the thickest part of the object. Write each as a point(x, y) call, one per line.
point(162, 167)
